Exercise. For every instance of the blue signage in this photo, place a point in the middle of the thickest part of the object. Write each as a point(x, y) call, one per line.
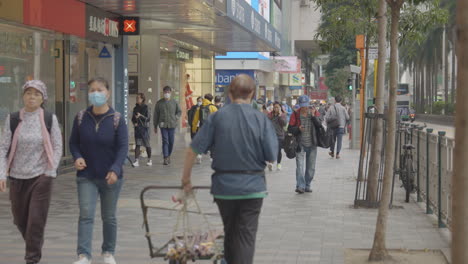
point(224, 77)
point(104, 53)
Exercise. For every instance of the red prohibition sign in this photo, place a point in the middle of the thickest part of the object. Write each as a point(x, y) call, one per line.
point(129, 25)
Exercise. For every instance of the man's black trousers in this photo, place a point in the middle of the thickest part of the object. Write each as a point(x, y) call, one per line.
point(240, 219)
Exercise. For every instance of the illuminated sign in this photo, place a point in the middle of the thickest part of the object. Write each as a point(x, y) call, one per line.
point(130, 26)
point(183, 54)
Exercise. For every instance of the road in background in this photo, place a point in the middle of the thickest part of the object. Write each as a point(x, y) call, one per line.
point(450, 130)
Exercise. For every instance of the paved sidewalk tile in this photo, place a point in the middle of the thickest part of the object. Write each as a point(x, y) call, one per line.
point(309, 228)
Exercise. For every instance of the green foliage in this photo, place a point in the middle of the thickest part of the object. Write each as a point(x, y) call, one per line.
point(338, 83)
point(438, 108)
point(341, 57)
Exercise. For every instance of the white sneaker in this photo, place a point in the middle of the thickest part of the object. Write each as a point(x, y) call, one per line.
point(149, 163)
point(82, 260)
point(136, 163)
point(270, 167)
point(108, 258)
point(199, 158)
point(279, 167)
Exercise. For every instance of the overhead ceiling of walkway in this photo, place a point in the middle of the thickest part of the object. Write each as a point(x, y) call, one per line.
point(193, 21)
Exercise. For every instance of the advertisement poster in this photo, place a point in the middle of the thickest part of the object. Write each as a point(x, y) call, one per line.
point(264, 9)
point(287, 64)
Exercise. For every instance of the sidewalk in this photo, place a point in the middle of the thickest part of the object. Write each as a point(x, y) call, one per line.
point(307, 228)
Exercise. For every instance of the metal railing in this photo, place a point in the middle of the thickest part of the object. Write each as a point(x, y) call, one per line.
point(433, 163)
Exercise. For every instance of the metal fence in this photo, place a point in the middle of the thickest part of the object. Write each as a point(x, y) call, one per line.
point(433, 162)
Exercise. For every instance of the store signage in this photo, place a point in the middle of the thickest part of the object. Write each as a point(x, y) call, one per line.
point(319, 95)
point(287, 64)
point(102, 26)
point(183, 54)
point(130, 26)
point(225, 77)
point(2, 70)
point(241, 12)
point(295, 79)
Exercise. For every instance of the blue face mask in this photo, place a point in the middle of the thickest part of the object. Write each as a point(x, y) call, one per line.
point(97, 98)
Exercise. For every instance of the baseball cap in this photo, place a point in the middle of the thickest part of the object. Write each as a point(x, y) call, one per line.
point(303, 101)
point(38, 85)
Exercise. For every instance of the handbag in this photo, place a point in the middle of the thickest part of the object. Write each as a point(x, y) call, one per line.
point(290, 146)
point(333, 121)
point(324, 139)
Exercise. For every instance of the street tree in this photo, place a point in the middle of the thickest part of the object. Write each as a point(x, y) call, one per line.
point(379, 250)
point(460, 195)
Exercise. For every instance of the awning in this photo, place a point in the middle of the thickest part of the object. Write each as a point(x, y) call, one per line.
point(217, 25)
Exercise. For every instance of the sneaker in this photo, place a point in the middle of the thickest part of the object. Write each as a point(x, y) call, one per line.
point(136, 163)
point(308, 190)
point(331, 154)
point(108, 258)
point(270, 167)
point(82, 260)
point(199, 158)
point(299, 191)
point(166, 161)
point(149, 163)
point(337, 156)
point(279, 167)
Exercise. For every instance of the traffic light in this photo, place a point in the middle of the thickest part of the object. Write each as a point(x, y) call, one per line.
point(350, 84)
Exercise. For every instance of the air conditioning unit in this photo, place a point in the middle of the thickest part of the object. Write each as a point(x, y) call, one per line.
point(305, 3)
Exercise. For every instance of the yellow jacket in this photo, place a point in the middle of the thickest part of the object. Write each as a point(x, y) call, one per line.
point(196, 117)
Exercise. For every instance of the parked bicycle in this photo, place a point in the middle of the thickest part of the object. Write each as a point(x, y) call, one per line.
point(406, 171)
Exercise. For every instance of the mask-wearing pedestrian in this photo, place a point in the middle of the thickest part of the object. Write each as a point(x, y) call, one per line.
point(283, 102)
point(167, 95)
point(199, 103)
point(97, 98)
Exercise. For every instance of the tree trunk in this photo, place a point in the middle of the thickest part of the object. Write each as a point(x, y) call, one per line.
point(423, 86)
point(377, 132)
point(460, 195)
point(428, 89)
point(379, 250)
point(446, 71)
point(454, 63)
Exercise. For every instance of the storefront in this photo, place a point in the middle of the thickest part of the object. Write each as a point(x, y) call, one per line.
point(63, 45)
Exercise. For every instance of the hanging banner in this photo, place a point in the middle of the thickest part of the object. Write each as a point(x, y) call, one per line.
point(287, 64)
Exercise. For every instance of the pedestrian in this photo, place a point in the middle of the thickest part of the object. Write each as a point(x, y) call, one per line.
point(99, 146)
point(339, 113)
point(279, 120)
point(141, 119)
point(303, 125)
point(201, 115)
point(30, 151)
point(191, 114)
point(166, 116)
point(217, 102)
point(238, 183)
point(288, 109)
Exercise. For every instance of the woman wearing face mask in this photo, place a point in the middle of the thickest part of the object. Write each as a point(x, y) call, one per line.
point(99, 145)
point(30, 151)
point(140, 119)
point(278, 118)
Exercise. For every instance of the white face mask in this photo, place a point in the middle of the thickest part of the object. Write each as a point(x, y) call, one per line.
point(284, 102)
point(167, 95)
point(270, 108)
point(199, 103)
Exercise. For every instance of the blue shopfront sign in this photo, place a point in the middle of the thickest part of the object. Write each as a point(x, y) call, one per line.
point(241, 12)
point(224, 77)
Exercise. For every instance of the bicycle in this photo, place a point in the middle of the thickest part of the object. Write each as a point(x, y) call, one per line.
point(407, 173)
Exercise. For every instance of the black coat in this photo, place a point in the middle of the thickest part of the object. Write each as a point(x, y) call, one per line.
point(145, 117)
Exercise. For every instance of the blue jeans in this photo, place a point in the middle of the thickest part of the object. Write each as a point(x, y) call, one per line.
point(304, 176)
point(88, 191)
point(338, 138)
point(167, 140)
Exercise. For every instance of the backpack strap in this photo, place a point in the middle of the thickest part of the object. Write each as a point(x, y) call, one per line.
point(48, 119)
point(117, 116)
point(80, 116)
point(14, 122)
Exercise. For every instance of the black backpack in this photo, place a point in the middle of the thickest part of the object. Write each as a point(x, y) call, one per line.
point(204, 113)
point(15, 120)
